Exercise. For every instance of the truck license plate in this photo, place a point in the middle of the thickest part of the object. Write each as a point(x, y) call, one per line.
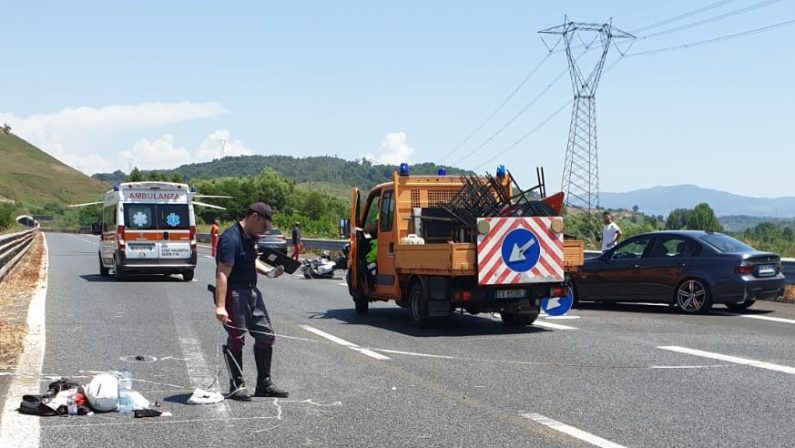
point(510, 293)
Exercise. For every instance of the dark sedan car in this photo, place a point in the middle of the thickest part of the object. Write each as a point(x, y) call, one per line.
point(688, 268)
point(273, 239)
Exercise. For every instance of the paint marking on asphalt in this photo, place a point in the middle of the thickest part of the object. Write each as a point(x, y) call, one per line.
point(552, 326)
point(732, 359)
point(709, 366)
point(771, 319)
point(753, 316)
point(345, 343)
point(422, 355)
point(571, 430)
point(20, 430)
point(342, 284)
point(200, 374)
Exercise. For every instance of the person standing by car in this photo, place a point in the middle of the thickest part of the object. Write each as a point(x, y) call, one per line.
point(610, 233)
point(296, 240)
point(214, 236)
point(239, 305)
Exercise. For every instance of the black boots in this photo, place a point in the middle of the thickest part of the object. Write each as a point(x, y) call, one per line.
point(234, 365)
point(265, 388)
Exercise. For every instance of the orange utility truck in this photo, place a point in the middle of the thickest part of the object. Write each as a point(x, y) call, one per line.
point(437, 243)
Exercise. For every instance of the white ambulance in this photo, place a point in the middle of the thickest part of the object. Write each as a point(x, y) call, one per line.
point(148, 228)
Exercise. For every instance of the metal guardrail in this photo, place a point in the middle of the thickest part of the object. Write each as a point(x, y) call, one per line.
point(789, 270)
point(12, 248)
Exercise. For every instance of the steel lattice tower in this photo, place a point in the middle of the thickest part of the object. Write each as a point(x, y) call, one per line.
point(581, 168)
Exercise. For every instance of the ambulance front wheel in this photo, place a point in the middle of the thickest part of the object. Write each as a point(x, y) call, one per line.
point(103, 271)
point(118, 273)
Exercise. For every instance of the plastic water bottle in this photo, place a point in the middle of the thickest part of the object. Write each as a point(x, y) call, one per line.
point(125, 399)
point(71, 405)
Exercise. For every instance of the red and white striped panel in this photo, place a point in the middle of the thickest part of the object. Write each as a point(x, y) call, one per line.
point(493, 269)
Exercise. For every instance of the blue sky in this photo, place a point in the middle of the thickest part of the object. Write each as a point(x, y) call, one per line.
point(101, 84)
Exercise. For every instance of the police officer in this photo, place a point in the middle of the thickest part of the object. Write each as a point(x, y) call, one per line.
point(239, 305)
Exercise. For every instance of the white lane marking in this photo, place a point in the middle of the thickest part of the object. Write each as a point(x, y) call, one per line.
point(200, 374)
point(20, 430)
point(727, 358)
point(711, 366)
point(422, 355)
point(552, 326)
point(344, 343)
point(342, 284)
point(750, 316)
point(772, 319)
point(571, 430)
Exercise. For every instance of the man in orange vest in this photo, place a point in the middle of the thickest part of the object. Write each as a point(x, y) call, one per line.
point(214, 236)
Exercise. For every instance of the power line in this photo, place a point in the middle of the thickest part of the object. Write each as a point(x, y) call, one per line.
point(682, 16)
point(541, 124)
point(524, 137)
point(716, 39)
point(518, 114)
point(514, 118)
point(504, 102)
point(723, 16)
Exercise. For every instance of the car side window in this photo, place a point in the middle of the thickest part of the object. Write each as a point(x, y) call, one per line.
point(633, 248)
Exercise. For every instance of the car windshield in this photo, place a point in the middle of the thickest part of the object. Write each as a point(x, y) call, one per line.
point(725, 243)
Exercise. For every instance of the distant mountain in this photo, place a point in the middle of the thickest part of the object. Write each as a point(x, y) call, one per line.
point(34, 179)
point(662, 200)
point(301, 170)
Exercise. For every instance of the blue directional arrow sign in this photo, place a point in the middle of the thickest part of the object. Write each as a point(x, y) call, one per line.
point(520, 250)
point(558, 306)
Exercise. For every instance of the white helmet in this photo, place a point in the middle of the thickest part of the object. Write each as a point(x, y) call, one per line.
point(102, 392)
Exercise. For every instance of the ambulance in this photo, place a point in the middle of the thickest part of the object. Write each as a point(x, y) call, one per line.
point(148, 228)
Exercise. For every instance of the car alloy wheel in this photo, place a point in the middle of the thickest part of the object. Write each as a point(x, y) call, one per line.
point(693, 297)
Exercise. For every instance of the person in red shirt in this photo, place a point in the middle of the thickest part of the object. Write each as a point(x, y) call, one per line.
point(214, 236)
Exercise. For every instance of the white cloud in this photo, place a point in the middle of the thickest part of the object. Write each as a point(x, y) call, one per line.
point(162, 154)
point(67, 133)
point(210, 148)
point(394, 150)
point(156, 154)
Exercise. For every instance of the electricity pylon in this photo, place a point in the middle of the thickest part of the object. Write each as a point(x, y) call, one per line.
point(581, 168)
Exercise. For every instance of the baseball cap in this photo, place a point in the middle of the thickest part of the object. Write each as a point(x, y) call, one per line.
point(263, 210)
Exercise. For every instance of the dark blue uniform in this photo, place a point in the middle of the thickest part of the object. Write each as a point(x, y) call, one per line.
point(244, 302)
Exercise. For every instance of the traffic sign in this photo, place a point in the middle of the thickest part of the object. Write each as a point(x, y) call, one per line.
point(520, 250)
point(558, 306)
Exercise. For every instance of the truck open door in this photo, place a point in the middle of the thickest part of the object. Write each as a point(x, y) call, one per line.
point(353, 251)
point(357, 271)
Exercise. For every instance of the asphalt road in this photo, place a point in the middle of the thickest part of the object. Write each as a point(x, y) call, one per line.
point(610, 376)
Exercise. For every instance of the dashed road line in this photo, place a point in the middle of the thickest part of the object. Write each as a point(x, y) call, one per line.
point(343, 342)
point(754, 316)
point(570, 430)
point(732, 359)
point(771, 319)
point(550, 325)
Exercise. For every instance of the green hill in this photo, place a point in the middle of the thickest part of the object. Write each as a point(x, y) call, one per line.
point(299, 170)
point(36, 181)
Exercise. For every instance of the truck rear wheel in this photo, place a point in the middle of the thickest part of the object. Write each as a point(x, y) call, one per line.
point(418, 305)
point(517, 320)
point(187, 275)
